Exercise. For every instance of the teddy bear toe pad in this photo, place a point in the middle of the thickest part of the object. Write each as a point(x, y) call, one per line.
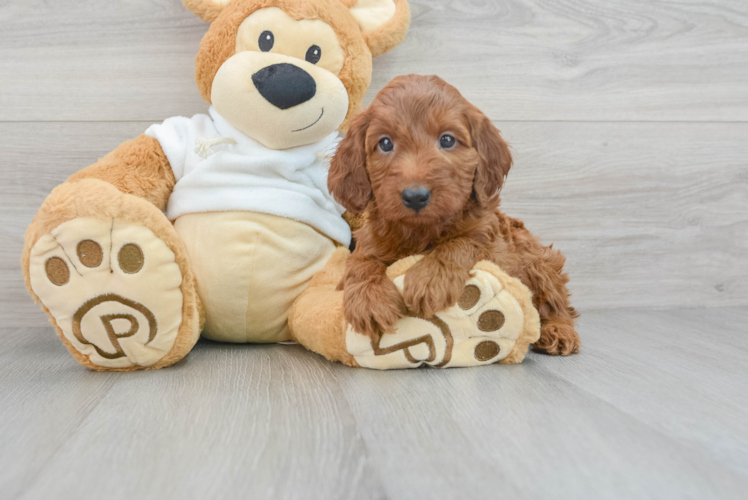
point(482, 328)
point(113, 289)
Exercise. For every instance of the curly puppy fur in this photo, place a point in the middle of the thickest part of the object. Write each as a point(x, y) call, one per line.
point(461, 224)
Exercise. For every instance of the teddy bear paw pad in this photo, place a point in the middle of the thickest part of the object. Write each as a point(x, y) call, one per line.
point(113, 289)
point(482, 328)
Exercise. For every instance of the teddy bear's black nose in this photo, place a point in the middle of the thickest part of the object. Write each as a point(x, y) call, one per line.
point(285, 85)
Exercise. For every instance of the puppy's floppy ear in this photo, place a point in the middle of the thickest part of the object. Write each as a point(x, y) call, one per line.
point(348, 180)
point(495, 158)
point(384, 23)
point(207, 10)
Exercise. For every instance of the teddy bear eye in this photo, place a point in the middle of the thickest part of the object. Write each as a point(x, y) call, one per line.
point(314, 54)
point(267, 40)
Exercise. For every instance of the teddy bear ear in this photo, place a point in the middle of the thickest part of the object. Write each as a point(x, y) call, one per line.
point(384, 23)
point(207, 10)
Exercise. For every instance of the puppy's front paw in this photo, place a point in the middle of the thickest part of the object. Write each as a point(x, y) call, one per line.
point(373, 309)
point(430, 286)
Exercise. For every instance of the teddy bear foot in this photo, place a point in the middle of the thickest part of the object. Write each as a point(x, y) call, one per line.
point(494, 321)
point(114, 291)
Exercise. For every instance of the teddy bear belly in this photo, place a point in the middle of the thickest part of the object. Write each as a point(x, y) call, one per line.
point(249, 268)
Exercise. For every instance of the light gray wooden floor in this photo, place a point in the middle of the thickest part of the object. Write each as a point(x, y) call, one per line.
point(629, 122)
point(654, 408)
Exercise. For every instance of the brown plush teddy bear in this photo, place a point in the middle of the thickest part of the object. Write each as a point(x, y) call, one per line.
point(214, 224)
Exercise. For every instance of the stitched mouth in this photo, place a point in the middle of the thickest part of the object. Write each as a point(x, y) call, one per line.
point(313, 124)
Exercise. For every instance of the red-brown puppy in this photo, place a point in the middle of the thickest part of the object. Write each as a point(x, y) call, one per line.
point(427, 167)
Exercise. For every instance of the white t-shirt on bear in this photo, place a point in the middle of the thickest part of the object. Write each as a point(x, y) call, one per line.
point(247, 176)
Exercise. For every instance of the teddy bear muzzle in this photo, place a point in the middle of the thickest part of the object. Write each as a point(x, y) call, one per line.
point(279, 100)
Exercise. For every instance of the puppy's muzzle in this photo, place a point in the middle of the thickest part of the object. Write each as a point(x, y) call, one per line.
point(416, 198)
point(284, 85)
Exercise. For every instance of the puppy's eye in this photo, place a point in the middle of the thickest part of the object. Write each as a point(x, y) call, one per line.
point(447, 141)
point(314, 54)
point(266, 41)
point(386, 145)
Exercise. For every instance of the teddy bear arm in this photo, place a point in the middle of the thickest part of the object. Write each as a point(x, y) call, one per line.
point(138, 167)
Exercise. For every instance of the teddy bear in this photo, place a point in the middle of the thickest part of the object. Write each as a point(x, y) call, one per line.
point(214, 224)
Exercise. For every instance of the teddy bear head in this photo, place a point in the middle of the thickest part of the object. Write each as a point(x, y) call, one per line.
point(290, 72)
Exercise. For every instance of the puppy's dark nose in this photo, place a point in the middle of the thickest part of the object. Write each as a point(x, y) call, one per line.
point(416, 198)
point(285, 85)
